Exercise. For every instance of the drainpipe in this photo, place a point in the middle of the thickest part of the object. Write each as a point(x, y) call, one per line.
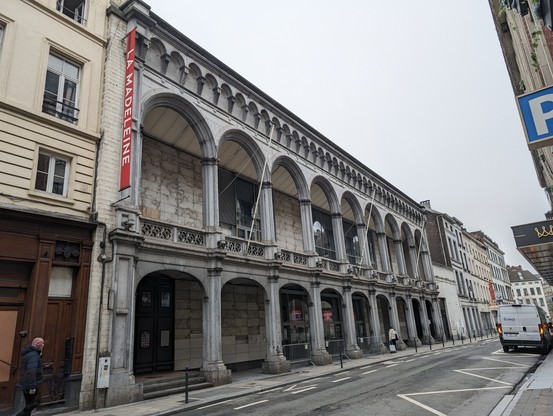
point(102, 258)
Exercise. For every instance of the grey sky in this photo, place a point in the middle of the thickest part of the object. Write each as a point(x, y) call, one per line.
point(418, 91)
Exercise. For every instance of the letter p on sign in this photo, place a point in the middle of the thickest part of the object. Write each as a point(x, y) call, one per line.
point(536, 112)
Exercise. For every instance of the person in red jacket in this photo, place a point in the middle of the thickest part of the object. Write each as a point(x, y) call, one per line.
point(31, 375)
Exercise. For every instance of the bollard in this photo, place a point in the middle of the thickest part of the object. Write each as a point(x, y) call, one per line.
point(186, 385)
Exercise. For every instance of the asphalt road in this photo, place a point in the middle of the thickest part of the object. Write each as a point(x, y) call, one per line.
point(468, 379)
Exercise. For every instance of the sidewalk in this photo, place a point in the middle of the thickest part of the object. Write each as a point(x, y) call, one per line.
point(534, 398)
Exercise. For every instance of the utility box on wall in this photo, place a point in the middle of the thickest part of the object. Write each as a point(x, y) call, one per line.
point(103, 373)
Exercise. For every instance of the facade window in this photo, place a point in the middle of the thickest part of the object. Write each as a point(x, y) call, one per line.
point(52, 174)
point(74, 9)
point(61, 89)
point(353, 250)
point(324, 234)
point(237, 198)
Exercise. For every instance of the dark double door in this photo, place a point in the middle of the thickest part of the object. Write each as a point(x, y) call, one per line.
point(154, 328)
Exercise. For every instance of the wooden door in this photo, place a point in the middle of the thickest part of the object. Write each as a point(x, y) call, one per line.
point(11, 317)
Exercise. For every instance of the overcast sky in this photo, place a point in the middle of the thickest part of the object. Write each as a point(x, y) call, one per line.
point(417, 91)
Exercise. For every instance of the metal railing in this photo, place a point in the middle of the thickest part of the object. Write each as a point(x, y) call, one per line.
point(297, 352)
point(60, 109)
point(334, 346)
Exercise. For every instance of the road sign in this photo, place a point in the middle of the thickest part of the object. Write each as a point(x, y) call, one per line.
point(536, 112)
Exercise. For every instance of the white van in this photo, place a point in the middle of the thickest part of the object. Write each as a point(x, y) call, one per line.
point(523, 326)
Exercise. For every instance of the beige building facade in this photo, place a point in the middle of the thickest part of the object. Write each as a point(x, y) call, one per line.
point(51, 57)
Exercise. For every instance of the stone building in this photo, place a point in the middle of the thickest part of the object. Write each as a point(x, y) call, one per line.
point(481, 281)
point(51, 56)
point(524, 30)
point(528, 288)
point(237, 236)
point(502, 291)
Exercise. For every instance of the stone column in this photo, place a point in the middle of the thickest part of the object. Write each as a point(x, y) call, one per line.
point(319, 354)
point(402, 269)
point(414, 262)
point(339, 241)
point(427, 266)
point(275, 361)
point(210, 207)
point(394, 321)
point(426, 335)
point(384, 255)
point(268, 231)
point(436, 316)
point(411, 324)
point(352, 349)
point(363, 245)
point(213, 368)
point(377, 344)
point(307, 226)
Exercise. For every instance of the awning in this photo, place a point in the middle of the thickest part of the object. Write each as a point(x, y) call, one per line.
point(535, 242)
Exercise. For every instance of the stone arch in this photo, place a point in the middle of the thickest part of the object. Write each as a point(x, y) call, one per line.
point(211, 89)
point(329, 192)
point(250, 146)
point(188, 111)
point(243, 321)
point(296, 173)
point(155, 54)
point(175, 67)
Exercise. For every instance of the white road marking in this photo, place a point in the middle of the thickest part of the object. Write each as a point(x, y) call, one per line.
point(485, 378)
point(421, 405)
point(251, 404)
point(369, 372)
point(293, 389)
point(214, 404)
point(504, 361)
point(305, 389)
point(341, 379)
point(456, 391)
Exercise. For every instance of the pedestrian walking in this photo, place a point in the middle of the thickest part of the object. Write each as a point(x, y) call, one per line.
point(392, 337)
point(31, 376)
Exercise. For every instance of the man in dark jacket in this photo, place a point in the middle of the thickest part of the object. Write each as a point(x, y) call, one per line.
point(31, 375)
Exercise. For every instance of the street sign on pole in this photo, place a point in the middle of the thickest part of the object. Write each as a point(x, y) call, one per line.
point(536, 112)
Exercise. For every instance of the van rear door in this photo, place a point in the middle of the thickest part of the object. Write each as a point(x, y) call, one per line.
point(520, 324)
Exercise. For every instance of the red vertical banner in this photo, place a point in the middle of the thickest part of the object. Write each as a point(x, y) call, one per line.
point(492, 294)
point(125, 175)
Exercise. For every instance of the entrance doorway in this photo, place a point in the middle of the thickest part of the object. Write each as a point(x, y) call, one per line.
point(154, 325)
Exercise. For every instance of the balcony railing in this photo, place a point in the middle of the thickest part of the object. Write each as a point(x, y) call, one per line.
point(60, 109)
point(171, 233)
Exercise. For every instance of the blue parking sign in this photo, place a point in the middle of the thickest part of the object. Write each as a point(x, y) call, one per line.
point(536, 112)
